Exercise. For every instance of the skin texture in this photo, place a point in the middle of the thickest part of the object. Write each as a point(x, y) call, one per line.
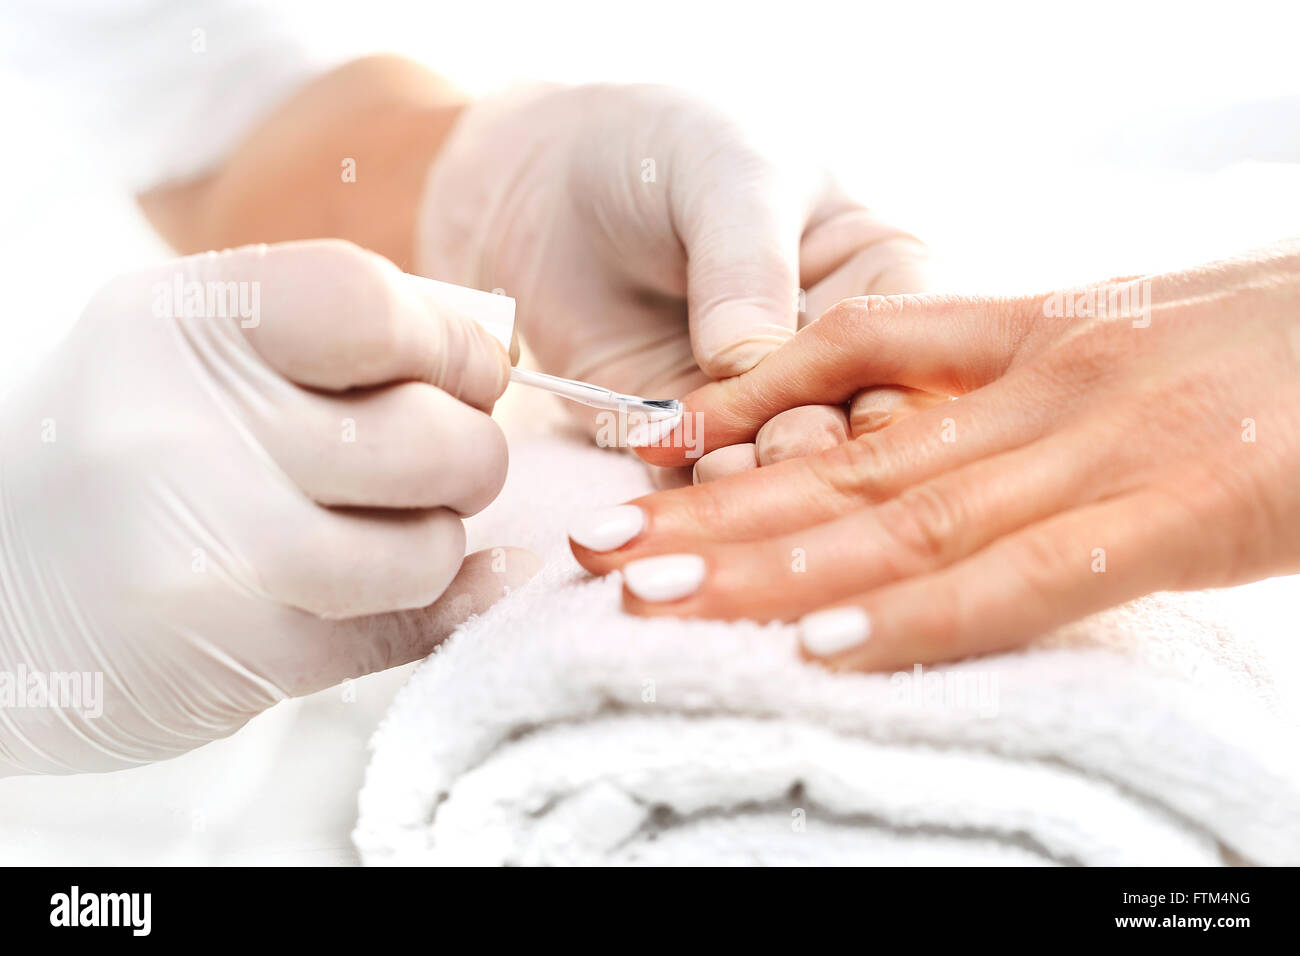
point(1088, 461)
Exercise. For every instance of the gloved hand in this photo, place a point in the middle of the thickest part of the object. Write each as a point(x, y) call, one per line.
point(216, 508)
point(650, 242)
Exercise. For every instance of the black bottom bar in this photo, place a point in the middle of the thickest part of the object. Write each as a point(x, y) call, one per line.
point(370, 907)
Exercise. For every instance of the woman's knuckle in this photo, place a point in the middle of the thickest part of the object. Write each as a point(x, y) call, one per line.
point(851, 470)
point(924, 521)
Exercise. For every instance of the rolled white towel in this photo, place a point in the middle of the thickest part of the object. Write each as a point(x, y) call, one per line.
point(554, 729)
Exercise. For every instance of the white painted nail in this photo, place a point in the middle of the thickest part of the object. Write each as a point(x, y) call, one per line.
point(652, 432)
point(608, 528)
point(665, 577)
point(827, 633)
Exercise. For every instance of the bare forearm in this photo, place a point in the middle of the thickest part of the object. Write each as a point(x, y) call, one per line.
point(346, 158)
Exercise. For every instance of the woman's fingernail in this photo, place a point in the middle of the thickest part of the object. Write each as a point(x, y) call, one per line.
point(826, 633)
point(649, 433)
point(665, 577)
point(608, 528)
point(638, 436)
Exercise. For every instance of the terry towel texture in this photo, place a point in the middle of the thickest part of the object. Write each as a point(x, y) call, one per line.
point(554, 729)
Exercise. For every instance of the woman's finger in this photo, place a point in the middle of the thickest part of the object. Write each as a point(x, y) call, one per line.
point(810, 429)
point(725, 462)
point(875, 408)
point(801, 431)
point(841, 228)
point(349, 648)
point(926, 527)
point(1024, 585)
point(345, 563)
point(938, 344)
point(801, 492)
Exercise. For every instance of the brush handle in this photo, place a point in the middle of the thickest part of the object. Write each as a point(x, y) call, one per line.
point(586, 394)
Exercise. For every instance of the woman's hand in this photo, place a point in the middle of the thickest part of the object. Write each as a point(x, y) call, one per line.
point(240, 478)
point(1137, 436)
point(651, 244)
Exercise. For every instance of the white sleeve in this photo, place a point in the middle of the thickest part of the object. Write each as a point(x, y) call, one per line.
point(163, 88)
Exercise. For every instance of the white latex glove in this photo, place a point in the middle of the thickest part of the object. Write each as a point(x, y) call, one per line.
point(650, 242)
point(164, 485)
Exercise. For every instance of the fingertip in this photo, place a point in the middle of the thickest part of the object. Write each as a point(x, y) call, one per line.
point(799, 432)
point(737, 359)
point(484, 463)
point(591, 561)
point(713, 416)
point(667, 479)
point(828, 634)
point(908, 275)
point(483, 579)
point(676, 444)
point(498, 569)
point(504, 361)
point(663, 456)
point(606, 529)
point(722, 462)
point(460, 339)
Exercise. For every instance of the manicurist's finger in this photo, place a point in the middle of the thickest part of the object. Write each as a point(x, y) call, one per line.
point(893, 267)
point(343, 563)
point(363, 645)
point(403, 446)
point(334, 316)
point(1022, 586)
point(938, 344)
point(739, 219)
point(852, 253)
point(839, 229)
